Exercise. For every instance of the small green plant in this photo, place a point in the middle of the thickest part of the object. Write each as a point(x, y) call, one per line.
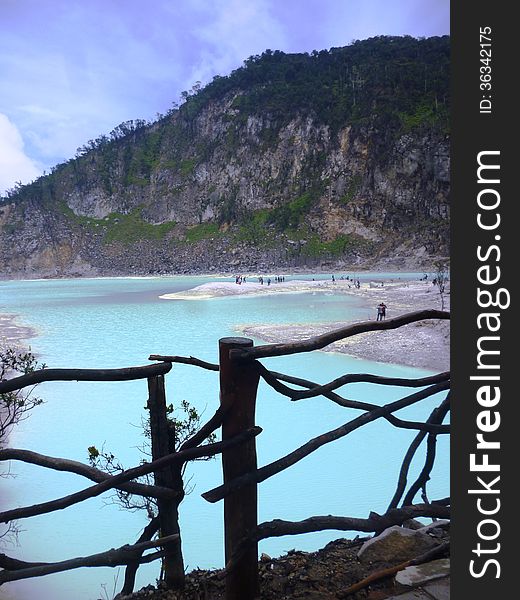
point(254, 227)
point(11, 228)
point(423, 115)
point(187, 166)
point(131, 227)
point(441, 279)
point(125, 228)
point(316, 248)
point(183, 423)
point(202, 232)
point(15, 407)
point(290, 215)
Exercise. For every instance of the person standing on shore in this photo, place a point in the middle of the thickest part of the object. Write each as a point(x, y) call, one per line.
point(381, 312)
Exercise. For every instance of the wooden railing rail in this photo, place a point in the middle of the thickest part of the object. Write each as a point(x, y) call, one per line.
point(374, 523)
point(42, 375)
point(124, 476)
point(72, 466)
point(272, 378)
point(292, 458)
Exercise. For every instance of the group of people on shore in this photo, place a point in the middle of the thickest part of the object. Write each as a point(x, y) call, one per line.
point(381, 308)
point(239, 279)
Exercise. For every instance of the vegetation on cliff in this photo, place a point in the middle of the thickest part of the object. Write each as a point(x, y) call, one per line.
point(338, 149)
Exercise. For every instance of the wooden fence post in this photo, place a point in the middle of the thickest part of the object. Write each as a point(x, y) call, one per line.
point(238, 387)
point(171, 477)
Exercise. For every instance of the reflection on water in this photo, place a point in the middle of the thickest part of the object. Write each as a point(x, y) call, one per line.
point(118, 322)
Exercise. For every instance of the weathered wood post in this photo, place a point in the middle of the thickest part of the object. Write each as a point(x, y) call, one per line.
point(162, 444)
point(238, 387)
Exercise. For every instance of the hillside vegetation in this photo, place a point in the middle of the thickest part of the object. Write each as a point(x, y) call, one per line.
point(339, 156)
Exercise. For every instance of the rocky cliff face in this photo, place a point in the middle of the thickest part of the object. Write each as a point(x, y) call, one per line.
point(215, 186)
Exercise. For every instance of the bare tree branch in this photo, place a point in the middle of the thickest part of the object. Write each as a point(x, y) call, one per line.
point(374, 522)
point(389, 571)
point(292, 458)
point(123, 477)
point(435, 417)
point(131, 570)
point(424, 475)
point(185, 360)
point(346, 379)
point(126, 374)
point(110, 558)
point(73, 466)
point(323, 340)
point(341, 401)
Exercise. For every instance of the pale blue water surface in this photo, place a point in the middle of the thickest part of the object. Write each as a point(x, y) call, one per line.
point(119, 322)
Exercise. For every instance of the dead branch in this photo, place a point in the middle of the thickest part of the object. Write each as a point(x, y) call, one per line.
point(185, 360)
point(424, 475)
point(111, 558)
point(374, 523)
point(131, 569)
point(292, 458)
point(341, 401)
point(321, 341)
point(124, 476)
point(346, 379)
point(72, 466)
point(435, 417)
point(390, 571)
point(126, 374)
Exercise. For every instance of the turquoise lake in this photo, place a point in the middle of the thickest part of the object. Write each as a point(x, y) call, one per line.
point(119, 322)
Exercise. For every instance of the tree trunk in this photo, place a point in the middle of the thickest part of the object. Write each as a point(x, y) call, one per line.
point(238, 387)
point(170, 477)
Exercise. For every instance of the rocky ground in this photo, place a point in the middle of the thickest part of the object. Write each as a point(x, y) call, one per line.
point(325, 574)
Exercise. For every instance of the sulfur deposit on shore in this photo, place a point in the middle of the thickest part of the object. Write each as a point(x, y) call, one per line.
point(219, 289)
point(425, 344)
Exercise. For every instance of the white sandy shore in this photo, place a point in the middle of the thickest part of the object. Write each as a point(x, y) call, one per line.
point(425, 344)
point(13, 334)
point(218, 289)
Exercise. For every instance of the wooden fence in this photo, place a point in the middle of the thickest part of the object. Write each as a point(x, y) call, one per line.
point(240, 372)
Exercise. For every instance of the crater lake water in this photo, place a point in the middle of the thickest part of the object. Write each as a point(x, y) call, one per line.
point(119, 322)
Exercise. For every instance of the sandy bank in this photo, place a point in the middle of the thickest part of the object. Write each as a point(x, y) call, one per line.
point(14, 334)
point(425, 344)
point(219, 289)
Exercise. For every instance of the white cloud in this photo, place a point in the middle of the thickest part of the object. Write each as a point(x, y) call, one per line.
point(15, 165)
point(233, 31)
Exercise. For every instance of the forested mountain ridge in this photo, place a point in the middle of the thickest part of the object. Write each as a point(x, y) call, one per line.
point(335, 157)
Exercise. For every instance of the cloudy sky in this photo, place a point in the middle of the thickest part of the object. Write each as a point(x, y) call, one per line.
point(73, 69)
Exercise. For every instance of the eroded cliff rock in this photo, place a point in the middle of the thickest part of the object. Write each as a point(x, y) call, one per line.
point(245, 177)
